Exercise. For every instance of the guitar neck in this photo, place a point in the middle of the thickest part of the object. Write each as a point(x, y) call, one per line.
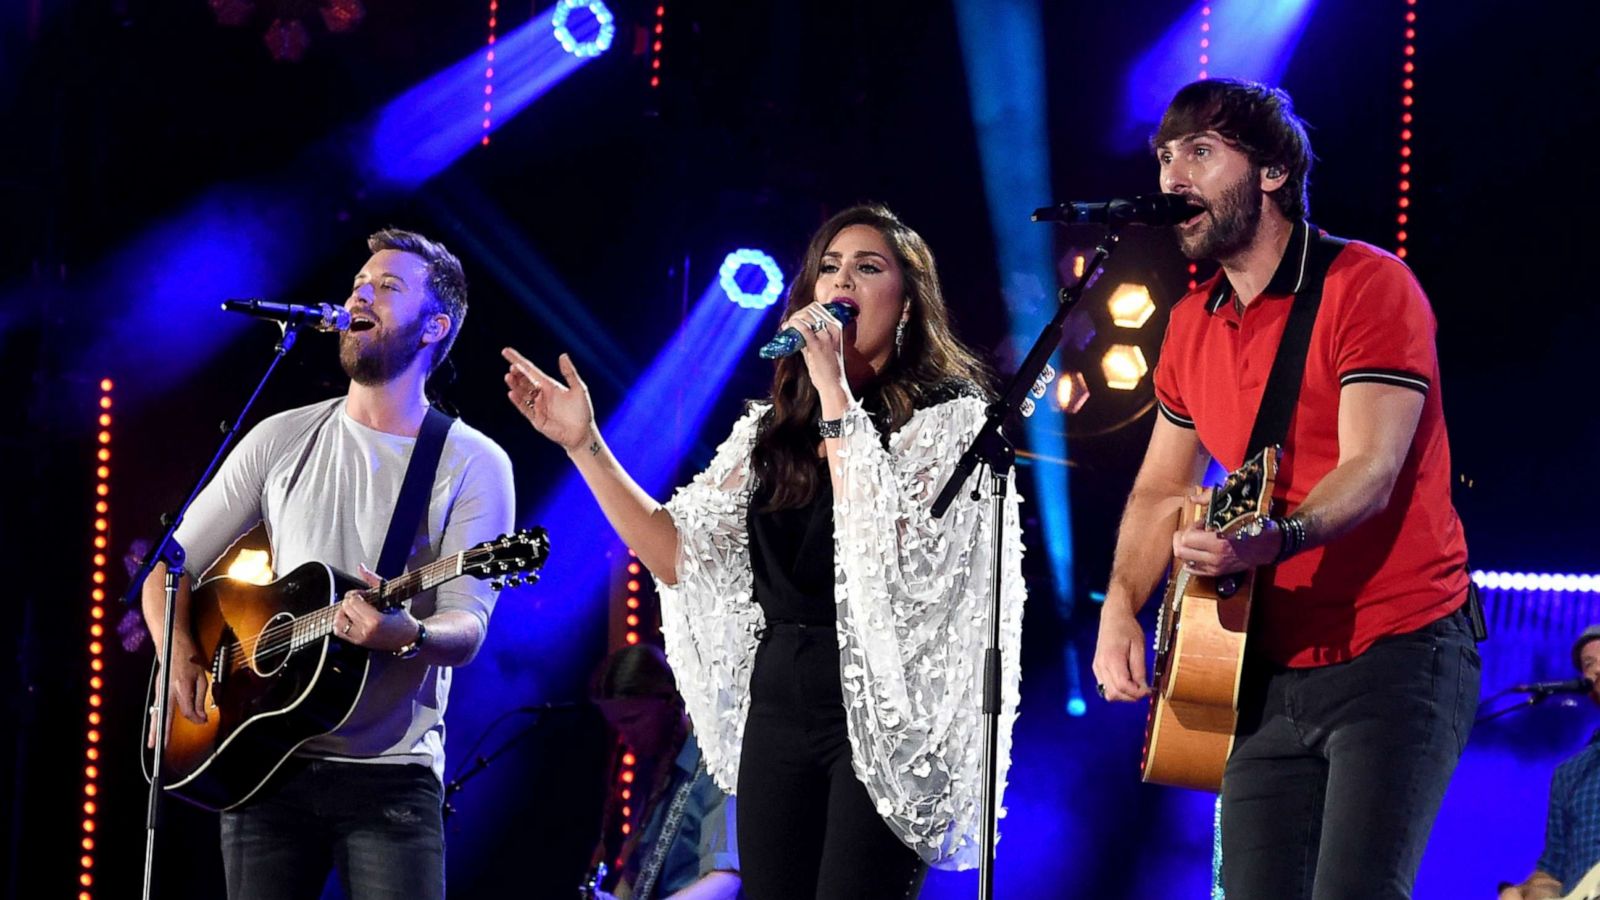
point(392, 593)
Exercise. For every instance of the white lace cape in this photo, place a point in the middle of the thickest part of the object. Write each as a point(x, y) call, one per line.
point(913, 618)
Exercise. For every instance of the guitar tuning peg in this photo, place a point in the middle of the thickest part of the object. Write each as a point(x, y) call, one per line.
point(514, 581)
point(497, 584)
point(1048, 375)
point(1039, 387)
point(1026, 408)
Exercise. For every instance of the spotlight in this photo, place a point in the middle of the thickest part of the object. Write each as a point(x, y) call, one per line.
point(251, 566)
point(287, 40)
point(1131, 305)
point(232, 13)
point(1124, 367)
point(342, 15)
point(1072, 392)
point(735, 263)
point(603, 19)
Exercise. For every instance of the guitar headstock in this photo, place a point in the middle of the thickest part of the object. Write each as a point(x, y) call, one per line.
point(510, 560)
point(1246, 493)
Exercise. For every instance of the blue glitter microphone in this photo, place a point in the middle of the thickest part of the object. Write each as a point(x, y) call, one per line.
point(789, 341)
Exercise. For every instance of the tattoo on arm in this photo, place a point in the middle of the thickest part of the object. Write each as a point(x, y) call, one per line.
point(594, 448)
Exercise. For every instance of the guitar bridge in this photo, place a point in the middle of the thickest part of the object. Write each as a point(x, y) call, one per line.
point(221, 659)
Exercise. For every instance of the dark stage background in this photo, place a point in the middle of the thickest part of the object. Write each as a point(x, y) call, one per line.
point(158, 161)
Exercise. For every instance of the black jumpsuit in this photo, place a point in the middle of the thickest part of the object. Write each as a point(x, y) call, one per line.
point(806, 825)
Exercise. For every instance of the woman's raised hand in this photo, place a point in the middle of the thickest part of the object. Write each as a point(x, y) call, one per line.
point(561, 412)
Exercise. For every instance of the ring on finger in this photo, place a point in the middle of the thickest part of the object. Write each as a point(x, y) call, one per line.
point(816, 327)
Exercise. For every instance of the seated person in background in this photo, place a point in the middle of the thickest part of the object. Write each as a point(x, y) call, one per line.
point(683, 843)
point(1572, 829)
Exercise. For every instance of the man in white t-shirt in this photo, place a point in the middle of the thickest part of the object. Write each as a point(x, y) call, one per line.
point(364, 800)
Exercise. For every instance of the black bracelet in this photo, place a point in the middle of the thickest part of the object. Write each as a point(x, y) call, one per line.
point(1294, 536)
point(831, 428)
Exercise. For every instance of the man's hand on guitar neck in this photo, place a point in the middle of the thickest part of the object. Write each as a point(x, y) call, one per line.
point(1206, 552)
point(358, 622)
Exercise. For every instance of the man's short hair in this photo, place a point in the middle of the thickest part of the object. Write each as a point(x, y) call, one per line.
point(1258, 120)
point(447, 283)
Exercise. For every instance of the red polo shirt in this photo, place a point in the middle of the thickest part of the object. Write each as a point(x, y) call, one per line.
point(1406, 566)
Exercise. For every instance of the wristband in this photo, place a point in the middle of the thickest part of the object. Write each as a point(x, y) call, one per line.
point(415, 647)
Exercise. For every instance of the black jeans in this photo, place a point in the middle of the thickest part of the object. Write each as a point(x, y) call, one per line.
point(381, 827)
point(1338, 771)
point(807, 828)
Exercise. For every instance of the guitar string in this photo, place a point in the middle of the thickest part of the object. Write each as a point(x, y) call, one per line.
point(413, 582)
point(322, 617)
point(239, 654)
point(237, 650)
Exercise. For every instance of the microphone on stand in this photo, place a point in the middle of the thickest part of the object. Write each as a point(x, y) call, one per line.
point(320, 316)
point(1149, 209)
point(789, 341)
point(1572, 686)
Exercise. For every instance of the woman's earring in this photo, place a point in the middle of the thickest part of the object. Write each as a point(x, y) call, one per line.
point(899, 336)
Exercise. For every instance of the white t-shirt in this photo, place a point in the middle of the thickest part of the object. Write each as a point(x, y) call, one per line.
point(326, 486)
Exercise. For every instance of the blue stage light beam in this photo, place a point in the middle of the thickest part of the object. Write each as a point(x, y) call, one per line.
point(169, 283)
point(541, 637)
point(1071, 666)
point(1002, 46)
point(650, 433)
point(423, 131)
point(494, 243)
point(1250, 39)
point(256, 240)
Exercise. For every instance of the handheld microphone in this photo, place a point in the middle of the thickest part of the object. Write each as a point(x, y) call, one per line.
point(789, 341)
point(1149, 209)
point(1574, 686)
point(320, 316)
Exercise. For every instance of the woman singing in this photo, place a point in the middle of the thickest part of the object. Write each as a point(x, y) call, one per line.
point(826, 630)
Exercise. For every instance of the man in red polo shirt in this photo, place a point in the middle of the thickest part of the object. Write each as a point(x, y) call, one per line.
point(1361, 677)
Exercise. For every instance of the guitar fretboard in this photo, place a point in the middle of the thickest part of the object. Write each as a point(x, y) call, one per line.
point(392, 593)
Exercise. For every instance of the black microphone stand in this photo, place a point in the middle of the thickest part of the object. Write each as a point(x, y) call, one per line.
point(991, 449)
point(1535, 697)
point(481, 761)
point(167, 550)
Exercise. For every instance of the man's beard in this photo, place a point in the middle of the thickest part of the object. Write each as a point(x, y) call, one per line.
point(378, 361)
point(1235, 219)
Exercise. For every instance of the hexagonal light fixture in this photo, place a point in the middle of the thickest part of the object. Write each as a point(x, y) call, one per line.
point(1131, 306)
point(1124, 367)
point(1072, 392)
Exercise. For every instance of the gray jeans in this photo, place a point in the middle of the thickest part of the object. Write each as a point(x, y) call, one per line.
point(380, 827)
point(1338, 771)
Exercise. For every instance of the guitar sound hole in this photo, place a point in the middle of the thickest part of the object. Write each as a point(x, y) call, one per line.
point(273, 645)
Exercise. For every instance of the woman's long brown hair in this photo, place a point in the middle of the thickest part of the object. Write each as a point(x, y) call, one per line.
point(930, 357)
